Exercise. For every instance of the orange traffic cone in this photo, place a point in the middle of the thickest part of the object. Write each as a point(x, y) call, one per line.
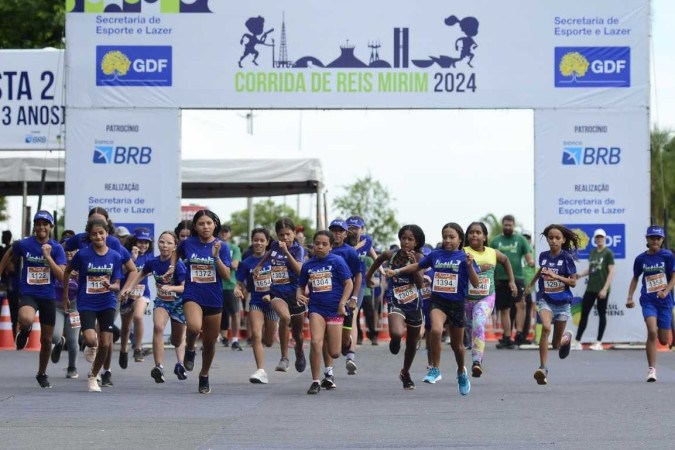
point(383, 333)
point(34, 338)
point(490, 334)
point(6, 338)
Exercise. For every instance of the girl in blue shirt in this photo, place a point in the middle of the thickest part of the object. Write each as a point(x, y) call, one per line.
point(453, 270)
point(99, 273)
point(556, 275)
point(207, 260)
point(656, 296)
point(330, 284)
point(43, 263)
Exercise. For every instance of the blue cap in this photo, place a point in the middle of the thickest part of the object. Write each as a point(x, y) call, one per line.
point(44, 215)
point(656, 230)
point(142, 234)
point(356, 221)
point(338, 223)
point(426, 249)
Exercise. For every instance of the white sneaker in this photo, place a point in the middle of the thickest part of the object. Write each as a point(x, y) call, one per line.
point(651, 375)
point(597, 345)
point(259, 377)
point(576, 345)
point(90, 354)
point(93, 384)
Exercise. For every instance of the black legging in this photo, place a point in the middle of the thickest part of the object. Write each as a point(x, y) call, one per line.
point(586, 306)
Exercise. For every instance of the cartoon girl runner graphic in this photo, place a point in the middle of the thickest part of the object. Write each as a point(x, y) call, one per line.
point(255, 25)
point(469, 26)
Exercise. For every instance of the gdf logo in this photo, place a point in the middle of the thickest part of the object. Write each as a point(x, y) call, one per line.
point(108, 154)
point(608, 66)
point(591, 67)
point(133, 65)
point(150, 65)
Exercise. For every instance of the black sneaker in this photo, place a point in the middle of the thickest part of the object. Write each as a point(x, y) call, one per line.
point(506, 343)
point(124, 360)
point(408, 383)
point(476, 370)
point(179, 371)
point(58, 348)
point(565, 345)
point(224, 341)
point(237, 347)
point(300, 361)
point(328, 382)
point(522, 340)
point(395, 345)
point(158, 374)
point(43, 381)
point(22, 338)
point(204, 387)
point(138, 355)
point(189, 361)
point(359, 340)
point(106, 379)
point(314, 388)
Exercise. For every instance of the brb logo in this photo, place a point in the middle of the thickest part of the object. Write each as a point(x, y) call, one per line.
point(133, 65)
point(109, 154)
point(589, 67)
point(137, 6)
point(591, 156)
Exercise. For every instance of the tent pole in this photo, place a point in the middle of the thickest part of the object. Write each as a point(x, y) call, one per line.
point(24, 208)
point(251, 218)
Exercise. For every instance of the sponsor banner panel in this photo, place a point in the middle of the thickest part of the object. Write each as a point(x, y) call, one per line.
point(126, 161)
point(592, 172)
point(351, 54)
point(32, 112)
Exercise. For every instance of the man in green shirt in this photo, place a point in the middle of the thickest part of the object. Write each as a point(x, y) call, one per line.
point(515, 247)
point(231, 304)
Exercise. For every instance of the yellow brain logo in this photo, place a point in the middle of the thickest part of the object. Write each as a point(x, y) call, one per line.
point(583, 238)
point(573, 64)
point(115, 63)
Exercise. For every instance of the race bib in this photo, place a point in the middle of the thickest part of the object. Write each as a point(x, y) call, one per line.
point(97, 284)
point(553, 286)
point(425, 292)
point(405, 294)
point(321, 281)
point(167, 296)
point(137, 292)
point(38, 275)
point(202, 273)
point(483, 288)
point(656, 282)
point(262, 282)
point(280, 275)
point(74, 319)
point(445, 283)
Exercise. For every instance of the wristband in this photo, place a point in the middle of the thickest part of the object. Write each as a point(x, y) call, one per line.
point(353, 298)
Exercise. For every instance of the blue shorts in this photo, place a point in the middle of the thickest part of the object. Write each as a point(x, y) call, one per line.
point(175, 309)
point(661, 309)
point(561, 311)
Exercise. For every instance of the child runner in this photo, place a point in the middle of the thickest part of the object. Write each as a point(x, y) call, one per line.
point(339, 229)
point(207, 263)
point(453, 271)
point(403, 297)
point(262, 318)
point(43, 263)
point(330, 285)
point(557, 274)
point(135, 301)
point(480, 300)
point(168, 304)
point(656, 298)
point(99, 273)
point(67, 323)
point(285, 256)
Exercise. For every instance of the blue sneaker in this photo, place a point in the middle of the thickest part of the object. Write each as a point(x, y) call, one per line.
point(433, 375)
point(463, 383)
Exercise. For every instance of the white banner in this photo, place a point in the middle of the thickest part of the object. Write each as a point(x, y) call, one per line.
point(592, 171)
point(126, 161)
point(356, 54)
point(31, 99)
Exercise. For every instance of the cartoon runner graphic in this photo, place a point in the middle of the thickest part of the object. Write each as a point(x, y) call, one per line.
point(255, 25)
point(469, 26)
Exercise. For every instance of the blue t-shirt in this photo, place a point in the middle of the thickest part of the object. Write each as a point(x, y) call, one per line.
point(257, 286)
point(158, 268)
point(556, 291)
point(37, 278)
point(362, 249)
point(92, 268)
point(204, 283)
point(351, 258)
point(656, 270)
point(451, 274)
point(325, 277)
point(81, 240)
point(401, 289)
point(284, 279)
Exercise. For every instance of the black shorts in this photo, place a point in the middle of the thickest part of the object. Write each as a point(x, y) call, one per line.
point(46, 306)
point(294, 307)
point(231, 304)
point(503, 297)
point(105, 319)
point(454, 311)
point(206, 310)
point(413, 317)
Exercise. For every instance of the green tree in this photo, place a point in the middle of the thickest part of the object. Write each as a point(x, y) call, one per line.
point(265, 214)
point(369, 199)
point(662, 181)
point(494, 225)
point(32, 23)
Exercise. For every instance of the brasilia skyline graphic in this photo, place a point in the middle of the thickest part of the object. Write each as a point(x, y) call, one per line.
point(347, 57)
